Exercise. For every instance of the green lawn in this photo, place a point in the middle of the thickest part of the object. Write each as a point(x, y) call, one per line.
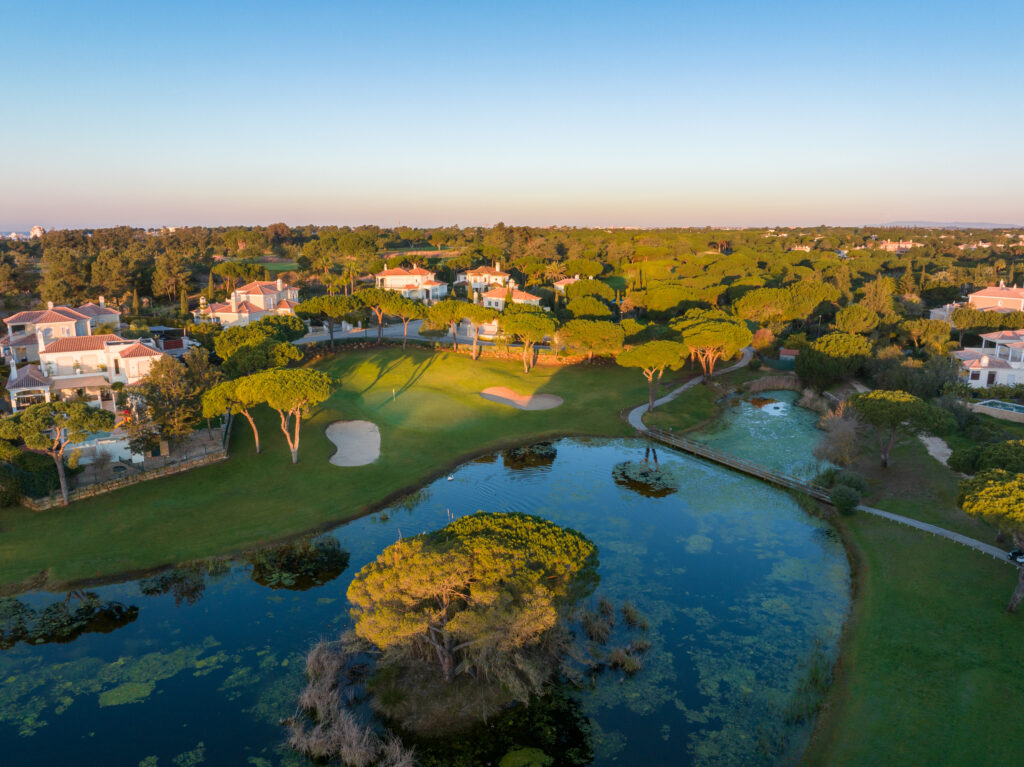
point(430, 416)
point(930, 663)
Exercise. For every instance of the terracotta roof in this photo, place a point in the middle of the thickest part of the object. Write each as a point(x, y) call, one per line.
point(80, 343)
point(80, 382)
point(139, 349)
point(400, 272)
point(980, 364)
point(567, 281)
point(488, 270)
point(261, 287)
point(44, 316)
point(431, 283)
point(95, 310)
point(29, 377)
point(995, 291)
point(517, 295)
point(247, 307)
point(1004, 335)
point(284, 303)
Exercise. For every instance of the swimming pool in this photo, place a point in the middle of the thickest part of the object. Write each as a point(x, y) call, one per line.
point(1000, 405)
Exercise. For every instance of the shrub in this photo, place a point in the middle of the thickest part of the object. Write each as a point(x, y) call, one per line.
point(755, 364)
point(851, 479)
point(844, 498)
point(1008, 455)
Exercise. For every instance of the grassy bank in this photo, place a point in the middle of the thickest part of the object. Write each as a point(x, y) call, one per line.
point(929, 663)
point(429, 412)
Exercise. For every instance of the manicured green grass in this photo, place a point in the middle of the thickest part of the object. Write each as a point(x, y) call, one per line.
point(429, 412)
point(930, 663)
point(691, 408)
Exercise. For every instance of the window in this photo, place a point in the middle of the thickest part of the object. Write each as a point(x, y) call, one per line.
point(975, 375)
point(117, 366)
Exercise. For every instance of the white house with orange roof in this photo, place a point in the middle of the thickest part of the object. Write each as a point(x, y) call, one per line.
point(496, 297)
point(998, 361)
point(565, 282)
point(994, 298)
point(250, 303)
point(28, 332)
point(416, 283)
point(484, 277)
point(84, 366)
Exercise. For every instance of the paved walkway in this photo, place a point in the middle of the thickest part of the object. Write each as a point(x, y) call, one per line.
point(636, 420)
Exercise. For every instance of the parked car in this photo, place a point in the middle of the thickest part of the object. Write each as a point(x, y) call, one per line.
point(1016, 556)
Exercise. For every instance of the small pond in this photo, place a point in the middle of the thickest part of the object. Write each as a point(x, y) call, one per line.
point(744, 592)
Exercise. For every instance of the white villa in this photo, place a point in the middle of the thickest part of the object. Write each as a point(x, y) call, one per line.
point(565, 282)
point(84, 366)
point(994, 298)
point(416, 283)
point(999, 361)
point(28, 332)
point(496, 297)
point(484, 277)
point(250, 303)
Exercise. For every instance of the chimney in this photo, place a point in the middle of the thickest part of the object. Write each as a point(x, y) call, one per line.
point(14, 366)
point(234, 301)
point(1002, 283)
point(102, 303)
point(49, 304)
point(280, 284)
point(984, 361)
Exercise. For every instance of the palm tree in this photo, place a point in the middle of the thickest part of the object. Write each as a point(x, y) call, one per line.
point(554, 271)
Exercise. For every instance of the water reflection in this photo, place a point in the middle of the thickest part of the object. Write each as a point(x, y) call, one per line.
point(530, 456)
point(80, 612)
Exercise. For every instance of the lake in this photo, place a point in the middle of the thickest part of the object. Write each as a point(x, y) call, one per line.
point(744, 592)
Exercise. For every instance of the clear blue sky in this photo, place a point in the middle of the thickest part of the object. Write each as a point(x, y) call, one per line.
point(689, 113)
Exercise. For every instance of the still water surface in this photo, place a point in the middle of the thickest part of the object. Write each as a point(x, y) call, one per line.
point(744, 592)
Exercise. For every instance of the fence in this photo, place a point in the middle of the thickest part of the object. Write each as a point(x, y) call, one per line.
point(739, 464)
point(54, 499)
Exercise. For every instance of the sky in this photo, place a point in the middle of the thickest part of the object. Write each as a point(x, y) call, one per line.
point(721, 113)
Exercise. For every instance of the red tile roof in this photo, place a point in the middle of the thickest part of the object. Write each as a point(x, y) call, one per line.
point(284, 303)
point(261, 288)
point(80, 343)
point(95, 310)
point(29, 377)
point(400, 272)
point(139, 349)
point(45, 316)
point(488, 270)
point(517, 295)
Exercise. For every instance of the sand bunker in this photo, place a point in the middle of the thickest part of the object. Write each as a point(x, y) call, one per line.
point(505, 396)
point(358, 442)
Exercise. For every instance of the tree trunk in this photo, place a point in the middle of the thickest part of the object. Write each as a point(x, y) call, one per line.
point(1018, 592)
point(405, 331)
point(380, 325)
point(887, 448)
point(295, 443)
point(255, 432)
point(455, 336)
point(476, 336)
point(526, 358)
point(330, 331)
point(650, 390)
point(58, 458)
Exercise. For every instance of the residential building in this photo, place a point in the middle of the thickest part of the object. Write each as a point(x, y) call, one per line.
point(565, 282)
point(897, 246)
point(994, 298)
point(416, 283)
point(81, 366)
point(998, 361)
point(496, 297)
point(250, 303)
point(28, 332)
point(484, 277)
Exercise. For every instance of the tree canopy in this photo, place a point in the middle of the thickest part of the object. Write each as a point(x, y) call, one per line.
point(529, 328)
point(998, 498)
point(50, 427)
point(890, 412)
point(654, 358)
point(475, 597)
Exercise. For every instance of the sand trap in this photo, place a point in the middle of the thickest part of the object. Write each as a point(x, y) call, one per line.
point(505, 396)
point(358, 442)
